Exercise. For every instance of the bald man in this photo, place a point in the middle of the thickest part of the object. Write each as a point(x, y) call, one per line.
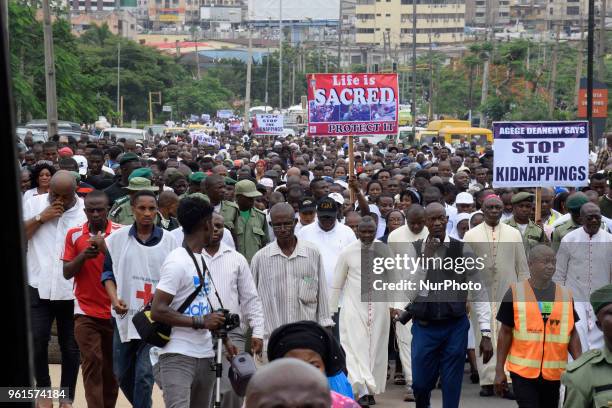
point(289, 276)
point(288, 383)
point(48, 217)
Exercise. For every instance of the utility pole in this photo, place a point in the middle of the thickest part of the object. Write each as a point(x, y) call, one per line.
point(247, 99)
point(292, 82)
point(553, 74)
point(49, 71)
point(414, 63)
point(590, 55)
point(601, 46)
point(485, 69)
point(430, 112)
point(268, 62)
point(197, 58)
point(340, 38)
point(579, 62)
point(280, 55)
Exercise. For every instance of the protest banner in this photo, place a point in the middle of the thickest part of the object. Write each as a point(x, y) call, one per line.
point(540, 154)
point(203, 138)
point(268, 124)
point(235, 127)
point(352, 104)
point(225, 114)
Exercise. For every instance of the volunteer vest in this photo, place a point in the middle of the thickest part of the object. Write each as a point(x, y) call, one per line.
point(538, 347)
point(136, 268)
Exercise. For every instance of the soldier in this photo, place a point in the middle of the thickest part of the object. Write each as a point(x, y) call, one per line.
point(251, 228)
point(532, 233)
point(588, 380)
point(214, 187)
point(121, 213)
point(574, 204)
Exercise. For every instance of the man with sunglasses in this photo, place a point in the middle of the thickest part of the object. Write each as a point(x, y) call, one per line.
point(289, 275)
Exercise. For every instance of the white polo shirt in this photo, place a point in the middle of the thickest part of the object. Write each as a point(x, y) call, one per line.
point(46, 248)
point(329, 244)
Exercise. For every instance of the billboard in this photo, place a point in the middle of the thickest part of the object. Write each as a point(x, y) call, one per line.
point(352, 104)
point(540, 154)
point(225, 114)
point(294, 10)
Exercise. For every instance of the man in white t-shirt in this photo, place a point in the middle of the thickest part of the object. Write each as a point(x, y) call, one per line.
point(185, 362)
point(130, 275)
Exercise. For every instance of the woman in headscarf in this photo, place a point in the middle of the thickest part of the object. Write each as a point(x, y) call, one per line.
point(461, 225)
point(308, 341)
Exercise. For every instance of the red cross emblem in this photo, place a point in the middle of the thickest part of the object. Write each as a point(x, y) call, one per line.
point(146, 295)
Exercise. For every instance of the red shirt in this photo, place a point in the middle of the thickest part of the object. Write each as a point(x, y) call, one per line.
point(90, 296)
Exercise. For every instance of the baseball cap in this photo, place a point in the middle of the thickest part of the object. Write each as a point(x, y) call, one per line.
point(82, 162)
point(307, 204)
point(246, 188)
point(337, 198)
point(65, 152)
point(327, 206)
point(464, 198)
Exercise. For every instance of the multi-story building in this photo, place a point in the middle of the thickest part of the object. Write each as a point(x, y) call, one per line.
point(167, 13)
point(531, 13)
point(119, 22)
point(388, 23)
point(92, 5)
point(480, 13)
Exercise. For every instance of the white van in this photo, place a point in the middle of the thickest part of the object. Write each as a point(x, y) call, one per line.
point(123, 133)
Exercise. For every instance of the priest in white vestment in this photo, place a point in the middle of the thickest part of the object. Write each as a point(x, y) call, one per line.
point(584, 264)
point(364, 326)
point(501, 248)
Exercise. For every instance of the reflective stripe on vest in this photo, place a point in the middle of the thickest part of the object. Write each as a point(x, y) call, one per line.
point(538, 347)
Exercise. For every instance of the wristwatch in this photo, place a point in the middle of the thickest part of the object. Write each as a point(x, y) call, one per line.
point(38, 219)
point(485, 333)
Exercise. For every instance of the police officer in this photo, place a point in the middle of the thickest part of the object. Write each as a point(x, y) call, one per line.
point(251, 228)
point(121, 213)
point(588, 380)
point(533, 234)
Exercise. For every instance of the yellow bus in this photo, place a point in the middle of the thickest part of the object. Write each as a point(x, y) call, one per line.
point(454, 136)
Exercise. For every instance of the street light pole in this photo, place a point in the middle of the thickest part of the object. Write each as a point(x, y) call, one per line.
point(414, 63)
point(51, 94)
point(590, 55)
point(280, 55)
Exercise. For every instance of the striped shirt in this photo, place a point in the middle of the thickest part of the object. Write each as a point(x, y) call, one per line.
point(233, 280)
point(291, 288)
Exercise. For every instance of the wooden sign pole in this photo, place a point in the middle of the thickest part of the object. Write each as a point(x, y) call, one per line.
point(351, 169)
point(538, 205)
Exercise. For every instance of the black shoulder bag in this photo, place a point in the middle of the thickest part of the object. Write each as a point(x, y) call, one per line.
point(156, 333)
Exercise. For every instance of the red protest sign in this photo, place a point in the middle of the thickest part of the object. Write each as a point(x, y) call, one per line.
point(352, 104)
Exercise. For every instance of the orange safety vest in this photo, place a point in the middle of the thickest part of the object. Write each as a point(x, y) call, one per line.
point(537, 348)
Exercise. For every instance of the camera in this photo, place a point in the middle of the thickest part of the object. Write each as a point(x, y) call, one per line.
point(404, 317)
point(232, 320)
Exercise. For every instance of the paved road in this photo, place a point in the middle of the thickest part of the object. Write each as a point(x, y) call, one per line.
point(392, 398)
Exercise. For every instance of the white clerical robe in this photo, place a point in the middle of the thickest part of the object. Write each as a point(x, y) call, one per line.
point(505, 261)
point(584, 264)
point(364, 326)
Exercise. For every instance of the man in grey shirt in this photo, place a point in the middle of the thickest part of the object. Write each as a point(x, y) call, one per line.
point(289, 276)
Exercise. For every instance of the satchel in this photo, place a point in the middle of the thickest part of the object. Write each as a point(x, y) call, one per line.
point(156, 333)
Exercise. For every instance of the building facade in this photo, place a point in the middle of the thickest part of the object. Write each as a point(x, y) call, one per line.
point(481, 13)
point(388, 23)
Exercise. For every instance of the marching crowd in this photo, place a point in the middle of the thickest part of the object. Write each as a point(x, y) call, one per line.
point(274, 230)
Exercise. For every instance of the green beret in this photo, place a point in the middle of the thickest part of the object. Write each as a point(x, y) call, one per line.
point(128, 157)
point(230, 181)
point(77, 176)
point(173, 177)
point(576, 201)
point(197, 177)
point(522, 196)
point(144, 172)
point(198, 195)
point(601, 298)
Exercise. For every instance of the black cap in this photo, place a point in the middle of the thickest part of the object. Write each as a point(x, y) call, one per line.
point(307, 204)
point(327, 205)
point(271, 174)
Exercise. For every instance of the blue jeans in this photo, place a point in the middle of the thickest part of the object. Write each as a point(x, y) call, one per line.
point(132, 366)
point(438, 349)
